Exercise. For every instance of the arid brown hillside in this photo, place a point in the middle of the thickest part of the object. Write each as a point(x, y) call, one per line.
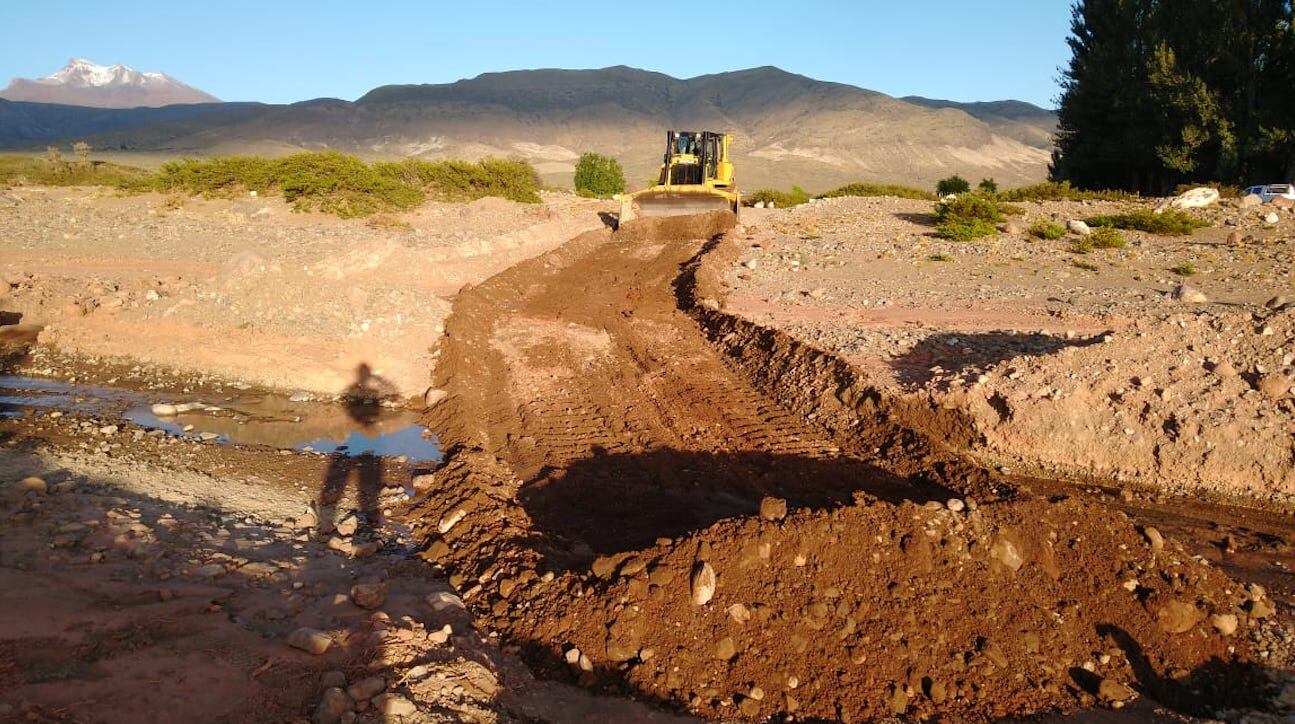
point(789, 129)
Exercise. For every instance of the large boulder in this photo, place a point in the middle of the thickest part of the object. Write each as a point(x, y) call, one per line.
point(1194, 199)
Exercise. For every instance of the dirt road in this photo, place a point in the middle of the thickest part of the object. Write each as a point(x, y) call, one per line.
point(615, 501)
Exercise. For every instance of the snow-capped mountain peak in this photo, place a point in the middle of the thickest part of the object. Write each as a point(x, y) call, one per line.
point(86, 83)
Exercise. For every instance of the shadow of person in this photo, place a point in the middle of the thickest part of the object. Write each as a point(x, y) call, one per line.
point(362, 401)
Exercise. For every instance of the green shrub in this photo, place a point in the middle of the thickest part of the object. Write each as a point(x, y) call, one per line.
point(964, 229)
point(1106, 238)
point(954, 184)
point(1082, 245)
point(599, 176)
point(1186, 269)
point(1171, 222)
point(54, 171)
point(940, 257)
point(969, 206)
point(1063, 191)
point(988, 186)
point(466, 181)
point(780, 199)
point(1047, 230)
point(868, 189)
point(1085, 265)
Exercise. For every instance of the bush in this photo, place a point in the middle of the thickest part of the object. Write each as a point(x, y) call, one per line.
point(599, 176)
point(1051, 191)
point(1086, 266)
point(466, 181)
point(1186, 269)
point(940, 257)
point(988, 186)
point(969, 206)
point(867, 189)
point(1171, 222)
point(963, 229)
point(1082, 245)
point(954, 184)
point(1047, 230)
point(779, 199)
point(1106, 238)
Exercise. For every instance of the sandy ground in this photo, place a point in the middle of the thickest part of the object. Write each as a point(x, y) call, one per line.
point(249, 290)
point(1101, 372)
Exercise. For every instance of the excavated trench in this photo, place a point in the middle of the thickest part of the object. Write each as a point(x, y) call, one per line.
point(619, 455)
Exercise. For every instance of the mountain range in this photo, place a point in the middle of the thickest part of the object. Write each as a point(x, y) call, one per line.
point(787, 128)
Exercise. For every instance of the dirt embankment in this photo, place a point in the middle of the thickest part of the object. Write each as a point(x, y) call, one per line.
point(1167, 363)
point(246, 289)
point(635, 513)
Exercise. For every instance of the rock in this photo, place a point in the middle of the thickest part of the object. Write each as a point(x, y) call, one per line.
point(369, 595)
point(310, 640)
point(752, 264)
point(442, 600)
point(32, 485)
point(1272, 218)
point(1013, 228)
point(1224, 623)
point(433, 396)
point(1249, 201)
point(332, 705)
point(211, 570)
point(1277, 302)
point(725, 649)
point(956, 505)
point(1076, 226)
point(1235, 238)
point(1112, 690)
point(366, 688)
point(1195, 198)
point(739, 613)
point(773, 508)
point(450, 519)
point(164, 409)
point(1274, 386)
point(394, 706)
point(1261, 608)
point(702, 583)
point(1178, 617)
point(1188, 293)
point(368, 549)
point(332, 679)
point(347, 526)
point(108, 430)
point(1154, 538)
point(1224, 369)
point(1005, 551)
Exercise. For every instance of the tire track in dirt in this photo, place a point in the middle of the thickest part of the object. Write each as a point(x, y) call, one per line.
point(601, 452)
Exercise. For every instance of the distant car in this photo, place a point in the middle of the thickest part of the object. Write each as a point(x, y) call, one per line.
point(1268, 192)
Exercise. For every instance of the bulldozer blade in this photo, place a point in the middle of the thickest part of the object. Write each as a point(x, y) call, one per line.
point(673, 203)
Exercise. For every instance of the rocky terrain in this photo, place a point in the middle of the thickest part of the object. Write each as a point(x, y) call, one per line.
point(821, 466)
point(1108, 364)
point(248, 290)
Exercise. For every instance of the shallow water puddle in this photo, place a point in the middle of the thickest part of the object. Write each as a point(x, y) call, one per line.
point(269, 420)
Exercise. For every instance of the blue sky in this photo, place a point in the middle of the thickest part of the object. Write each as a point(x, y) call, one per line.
point(286, 50)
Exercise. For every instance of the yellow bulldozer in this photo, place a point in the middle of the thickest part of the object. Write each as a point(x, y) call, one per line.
point(696, 177)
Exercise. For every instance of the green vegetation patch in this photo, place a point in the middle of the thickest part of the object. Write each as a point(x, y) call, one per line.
point(1062, 191)
point(954, 184)
point(1106, 238)
point(1047, 230)
point(780, 199)
point(1170, 222)
point(967, 217)
point(1186, 269)
point(867, 189)
point(53, 170)
point(599, 176)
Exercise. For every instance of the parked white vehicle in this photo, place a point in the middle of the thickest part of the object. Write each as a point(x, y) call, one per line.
point(1268, 192)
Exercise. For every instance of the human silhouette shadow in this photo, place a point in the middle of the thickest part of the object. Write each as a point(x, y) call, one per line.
point(362, 401)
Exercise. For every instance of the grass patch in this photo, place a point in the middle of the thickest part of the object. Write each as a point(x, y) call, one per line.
point(779, 199)
point(1062, 191)
point(1186, 269)
point(1106, 238)
point(940, 257)
point(1047, 230)
point(1171, 222)
point(867, 189)
point(16, 170)
point(1082, 245)
point(1085, 265)
point(960, 229)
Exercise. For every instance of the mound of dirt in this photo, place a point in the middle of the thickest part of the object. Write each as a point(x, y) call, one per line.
point(615, 501)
